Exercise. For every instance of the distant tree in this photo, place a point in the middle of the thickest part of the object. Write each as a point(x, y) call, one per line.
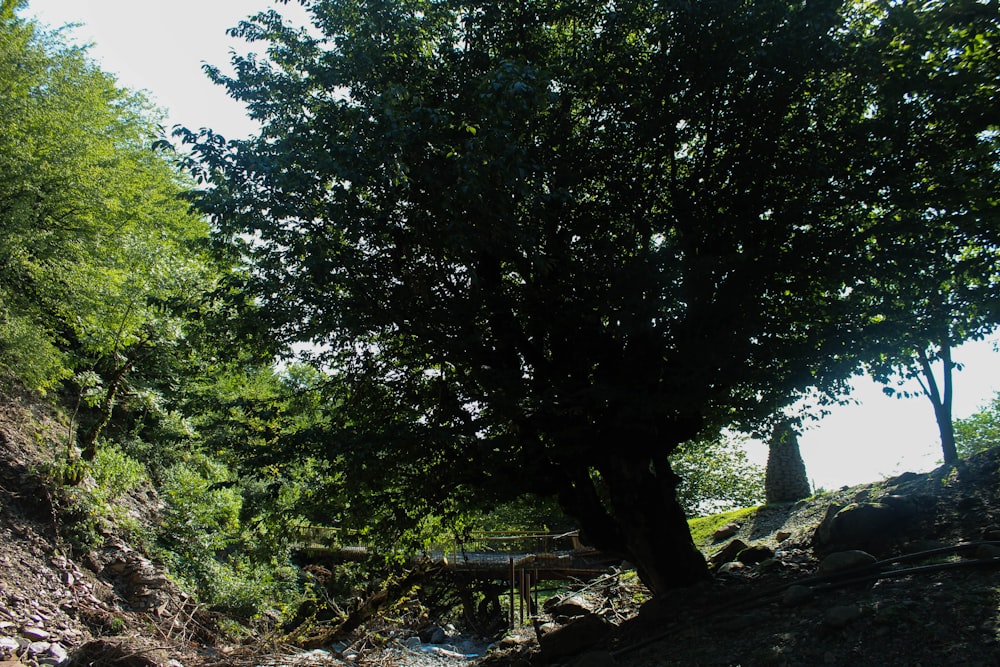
point(540, 245)
point(716, 476)
point(786, 478)
point(939, 156)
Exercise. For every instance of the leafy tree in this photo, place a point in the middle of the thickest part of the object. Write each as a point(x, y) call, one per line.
point(540, 245)
point(101, 259)
point(939, 149)
point(716, 476)
point(980, 431)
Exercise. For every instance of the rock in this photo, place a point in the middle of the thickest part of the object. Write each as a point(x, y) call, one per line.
point(740, 622)
point(727, 553)
point(841, 616)
point(570, 607)
point(782, 535)
point(731, 567)
point(755, 554)
point(38, 648)
point(596, 659)
point(725, 532)
point(869, 526)
point(987, 551)
point(58, 654)
point(34, 634)
point(796, 594)
point(412, 643)
point(573, 638)
point(439, 636)
point(845, 560)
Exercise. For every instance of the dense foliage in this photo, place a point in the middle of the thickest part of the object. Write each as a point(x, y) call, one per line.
point(113, 306)
point(540, 245)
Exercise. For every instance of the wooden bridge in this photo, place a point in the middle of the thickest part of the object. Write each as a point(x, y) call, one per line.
point(517, 561)
point(558, 556)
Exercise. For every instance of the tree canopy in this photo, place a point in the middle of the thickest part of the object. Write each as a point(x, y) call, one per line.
point(540, 245)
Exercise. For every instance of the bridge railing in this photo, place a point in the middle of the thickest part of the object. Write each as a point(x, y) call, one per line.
point(499, 542)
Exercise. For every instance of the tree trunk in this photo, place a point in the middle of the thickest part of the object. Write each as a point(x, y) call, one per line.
point(786, 479)
point(941, 400)
point(644, 523)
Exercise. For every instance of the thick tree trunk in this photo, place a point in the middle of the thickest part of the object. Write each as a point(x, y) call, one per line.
point(941, 399)
point(640, 520)
point(657, 537)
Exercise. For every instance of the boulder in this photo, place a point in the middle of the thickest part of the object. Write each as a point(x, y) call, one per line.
point(873, 527)
point(841, 561)
point(727, 553)
point(755, 554)
point(573, 638)
point(725, 532)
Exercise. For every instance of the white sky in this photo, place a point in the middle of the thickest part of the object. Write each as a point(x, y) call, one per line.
point(159, 46)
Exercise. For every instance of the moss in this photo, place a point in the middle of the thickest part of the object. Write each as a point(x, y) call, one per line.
point(704, 527)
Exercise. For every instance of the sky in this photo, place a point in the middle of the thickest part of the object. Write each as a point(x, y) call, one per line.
point(159, 46)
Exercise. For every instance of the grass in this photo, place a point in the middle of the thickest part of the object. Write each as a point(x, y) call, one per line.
point(704, 527)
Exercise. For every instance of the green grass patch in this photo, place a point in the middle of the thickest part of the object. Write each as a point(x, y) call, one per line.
point(704, 527)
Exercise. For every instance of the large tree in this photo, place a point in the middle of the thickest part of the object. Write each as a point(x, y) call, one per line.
point(541, 244)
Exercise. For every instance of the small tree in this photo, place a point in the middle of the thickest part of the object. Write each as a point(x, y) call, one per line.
point(980, 431)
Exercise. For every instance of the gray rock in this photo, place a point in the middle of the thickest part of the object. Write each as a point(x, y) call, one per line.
point(725, 532)
point(755, 554)
point(841, 616)
point(987, 551)
point(869, 526)
point(34, 634)
point(845, 560)
point(731, 567)
point(595, 659)
point(794, 595)
point(570, 607)
point(728, 553)
point(573, 638)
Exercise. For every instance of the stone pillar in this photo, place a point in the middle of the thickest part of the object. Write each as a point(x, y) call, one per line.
point(786, 479)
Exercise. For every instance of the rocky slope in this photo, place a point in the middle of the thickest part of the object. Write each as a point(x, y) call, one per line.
point(925, 588)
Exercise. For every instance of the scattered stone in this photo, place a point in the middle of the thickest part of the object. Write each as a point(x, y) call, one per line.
point(841, 616)
point(725, 532)
point(596, 659)
point(573, 638)
point(34, 634)
point(796, 594)
point(731, 567)
point(728, 553)
point(782, 535)
point(845, 560)
point(987, 551)
point(571, 607)
point(755, 554)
